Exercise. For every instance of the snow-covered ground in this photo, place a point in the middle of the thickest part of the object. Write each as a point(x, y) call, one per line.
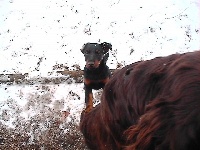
point(35, 35)
point(29, 100)
point(40, 37)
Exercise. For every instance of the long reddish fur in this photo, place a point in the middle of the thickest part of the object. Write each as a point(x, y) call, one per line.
point(148, 105)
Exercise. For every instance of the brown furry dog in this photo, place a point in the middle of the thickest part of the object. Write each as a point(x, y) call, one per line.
point(149, 105)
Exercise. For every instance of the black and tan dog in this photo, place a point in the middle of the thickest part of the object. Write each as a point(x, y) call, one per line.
point(96, 72)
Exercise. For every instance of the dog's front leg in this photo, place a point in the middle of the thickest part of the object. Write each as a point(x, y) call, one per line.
point(88, 99)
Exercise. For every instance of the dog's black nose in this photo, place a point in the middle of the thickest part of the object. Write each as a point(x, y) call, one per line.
point(91, 64)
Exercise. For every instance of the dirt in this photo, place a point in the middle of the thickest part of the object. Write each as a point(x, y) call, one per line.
point(68, 77)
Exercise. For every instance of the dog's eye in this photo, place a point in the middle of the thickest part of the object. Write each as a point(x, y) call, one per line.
point(87, 51)
point(98, 52)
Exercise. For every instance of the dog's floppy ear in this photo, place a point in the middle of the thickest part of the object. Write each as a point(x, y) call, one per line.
point(83, 47)
point(106, 46)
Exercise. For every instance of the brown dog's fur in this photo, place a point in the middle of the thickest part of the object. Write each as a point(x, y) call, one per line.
point(149, 105)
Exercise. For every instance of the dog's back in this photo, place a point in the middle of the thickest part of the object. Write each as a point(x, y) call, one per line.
point(169, 86)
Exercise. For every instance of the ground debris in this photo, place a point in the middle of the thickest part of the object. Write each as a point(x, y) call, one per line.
point(68, 76)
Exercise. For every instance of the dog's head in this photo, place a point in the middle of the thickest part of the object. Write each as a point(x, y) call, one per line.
point(94, 53)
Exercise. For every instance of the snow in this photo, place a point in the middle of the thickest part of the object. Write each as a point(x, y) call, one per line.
point(54, 31)
point(37, 35)
point(28, 100)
